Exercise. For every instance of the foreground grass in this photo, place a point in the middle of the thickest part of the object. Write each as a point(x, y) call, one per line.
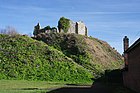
point(22, 91)
point(24, 86)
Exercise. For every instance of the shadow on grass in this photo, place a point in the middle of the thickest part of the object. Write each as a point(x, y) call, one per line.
point(111, 82)
point(97, 87)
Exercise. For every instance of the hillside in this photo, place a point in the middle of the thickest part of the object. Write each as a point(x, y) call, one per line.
point(21, 57)
point(91, 53)
point(63, 57)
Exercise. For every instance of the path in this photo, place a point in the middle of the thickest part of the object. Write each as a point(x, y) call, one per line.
point(96, 88)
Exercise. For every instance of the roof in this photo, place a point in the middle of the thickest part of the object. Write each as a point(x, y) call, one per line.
point(135, 44)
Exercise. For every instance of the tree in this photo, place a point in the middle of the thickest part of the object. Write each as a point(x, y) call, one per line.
point(47, 28)
point(9, 31)
point(63, 24)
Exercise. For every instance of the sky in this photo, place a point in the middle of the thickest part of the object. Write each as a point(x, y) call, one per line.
point(108, 20)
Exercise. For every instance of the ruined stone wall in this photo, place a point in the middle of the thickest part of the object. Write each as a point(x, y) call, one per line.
point(72, 28)
point(78, 28)
point(81, 28)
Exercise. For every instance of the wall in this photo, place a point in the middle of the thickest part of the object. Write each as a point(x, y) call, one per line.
point(132, 76)
point(78, 28)
point(81, 28)
point(72, 28)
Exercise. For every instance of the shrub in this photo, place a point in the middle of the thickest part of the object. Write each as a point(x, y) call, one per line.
point(63, 24)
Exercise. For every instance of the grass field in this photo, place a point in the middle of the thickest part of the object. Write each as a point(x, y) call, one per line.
point(23, 86)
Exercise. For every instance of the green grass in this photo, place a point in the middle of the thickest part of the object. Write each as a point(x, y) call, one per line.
point(23, 86)
point(23, 91)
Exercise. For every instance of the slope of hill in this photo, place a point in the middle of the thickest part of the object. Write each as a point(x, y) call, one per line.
point(65, 57)
point(91, 53)
point(21, 57)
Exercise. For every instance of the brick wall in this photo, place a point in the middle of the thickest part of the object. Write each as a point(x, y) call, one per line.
point(132, 76)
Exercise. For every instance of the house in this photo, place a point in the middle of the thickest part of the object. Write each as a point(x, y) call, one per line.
point(131, 73)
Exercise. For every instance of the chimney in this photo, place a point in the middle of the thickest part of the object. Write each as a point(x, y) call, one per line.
point(126, 46)
point(126, 43)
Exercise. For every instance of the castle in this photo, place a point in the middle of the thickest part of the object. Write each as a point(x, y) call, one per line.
point(74, 27)
point(47, 29)
point(77, 28)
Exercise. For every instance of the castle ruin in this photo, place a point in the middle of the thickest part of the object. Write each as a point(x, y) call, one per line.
point(74, 27)
point(78, 28)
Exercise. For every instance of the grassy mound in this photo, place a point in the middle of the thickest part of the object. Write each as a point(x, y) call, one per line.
point(91, 53)
point(24, 58)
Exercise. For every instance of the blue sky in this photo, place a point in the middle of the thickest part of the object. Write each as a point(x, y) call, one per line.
point(108, 20)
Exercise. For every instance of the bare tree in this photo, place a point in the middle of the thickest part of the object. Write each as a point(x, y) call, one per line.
point(9, 31)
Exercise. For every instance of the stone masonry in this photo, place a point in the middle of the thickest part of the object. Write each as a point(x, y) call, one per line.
point(75, 27)
point(78, 28)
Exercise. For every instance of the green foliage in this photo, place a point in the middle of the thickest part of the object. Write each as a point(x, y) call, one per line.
point(65, 57)
point(47, 28)
point(64, 24)
point(24, 58)
point(71, 46)
point(75, 47)
point(54, 28)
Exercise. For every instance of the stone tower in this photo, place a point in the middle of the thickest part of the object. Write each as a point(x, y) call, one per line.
point(36, 29)
point(126, 46)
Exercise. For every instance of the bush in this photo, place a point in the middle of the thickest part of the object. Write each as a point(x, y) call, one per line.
point(63, 24)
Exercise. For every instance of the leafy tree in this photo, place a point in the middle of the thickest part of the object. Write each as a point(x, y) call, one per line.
point(47, 28)
point(63, 24)
point(53, 28)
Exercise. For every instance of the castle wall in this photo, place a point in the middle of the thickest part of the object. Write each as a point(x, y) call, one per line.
point(81, 28)
point(76, 27)
point(72, 28)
